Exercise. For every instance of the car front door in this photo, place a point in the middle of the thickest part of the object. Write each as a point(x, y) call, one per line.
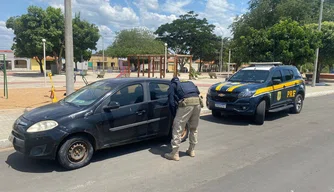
point(278, 96)
point(129, 121)
point(160, 118)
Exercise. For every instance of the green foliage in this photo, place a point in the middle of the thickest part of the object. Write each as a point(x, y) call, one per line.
point(135, 41)
point(263, 15)
point(85, 37)
point(37, 24)
point(190, 35)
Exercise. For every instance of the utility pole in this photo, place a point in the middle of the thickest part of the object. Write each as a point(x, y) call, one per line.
point(69, 47)
point(221, 56)
point(44, 61)
point(166, 59)
point(102, 52)
point(317, 51)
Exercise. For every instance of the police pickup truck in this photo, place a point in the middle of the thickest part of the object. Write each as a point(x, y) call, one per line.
point(256, 90)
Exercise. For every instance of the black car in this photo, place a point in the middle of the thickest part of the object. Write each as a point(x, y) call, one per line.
point(256, 90)
point(100, 115)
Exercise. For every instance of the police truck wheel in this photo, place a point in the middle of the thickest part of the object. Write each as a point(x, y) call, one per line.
point(216, 113)
point(298, 104)
point(75, 153)
point(260, 113)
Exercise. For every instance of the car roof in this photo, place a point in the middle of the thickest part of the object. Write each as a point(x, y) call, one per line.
point(134, 79)
point(264, 68)
point(268, 68)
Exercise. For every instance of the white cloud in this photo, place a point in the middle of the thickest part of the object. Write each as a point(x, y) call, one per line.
point(100, 12)
point(147, 4)
point(6, 36)
point(220, 13)
point(176, 6)
point(154, 20)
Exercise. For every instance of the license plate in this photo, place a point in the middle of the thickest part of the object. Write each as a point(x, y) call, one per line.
point(11, 138)
point(220, 105)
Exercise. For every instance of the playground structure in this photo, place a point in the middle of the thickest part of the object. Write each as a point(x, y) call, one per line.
point(156, 62)
point(3, 69)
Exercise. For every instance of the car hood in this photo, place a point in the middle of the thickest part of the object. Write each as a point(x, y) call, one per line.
point(236, 87)
point(51, 111)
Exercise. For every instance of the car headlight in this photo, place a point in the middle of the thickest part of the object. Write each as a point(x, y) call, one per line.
point(246, 94)
point(209, 91)
point(42, 126)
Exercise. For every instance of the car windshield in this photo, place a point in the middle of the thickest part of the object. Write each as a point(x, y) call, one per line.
point(257, 76)
point(88, 94)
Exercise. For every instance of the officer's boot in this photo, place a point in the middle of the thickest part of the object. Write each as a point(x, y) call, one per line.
point(191, 151)
point(174, 155)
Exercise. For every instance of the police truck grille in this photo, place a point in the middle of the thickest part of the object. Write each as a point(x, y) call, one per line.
point(227, 97)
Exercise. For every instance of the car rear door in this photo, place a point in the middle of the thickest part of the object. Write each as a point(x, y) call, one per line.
point(160, 118)
point(290, 89)
point(129, 121)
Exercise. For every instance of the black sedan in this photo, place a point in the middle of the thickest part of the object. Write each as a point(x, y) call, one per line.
point(103, 114)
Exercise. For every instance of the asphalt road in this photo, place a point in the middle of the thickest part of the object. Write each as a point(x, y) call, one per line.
point(288, 153)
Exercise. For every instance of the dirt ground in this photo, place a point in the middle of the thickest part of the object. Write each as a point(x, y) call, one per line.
point(28, 97)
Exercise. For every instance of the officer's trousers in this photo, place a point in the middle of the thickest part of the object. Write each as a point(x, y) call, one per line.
point(189, 114)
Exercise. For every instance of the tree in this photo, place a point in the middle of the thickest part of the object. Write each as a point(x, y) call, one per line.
point(135, 41)
point(263, 14)
point(38, 24)
point(29, 30)
point(85, 37)
point(189, 35)
point(326, 51)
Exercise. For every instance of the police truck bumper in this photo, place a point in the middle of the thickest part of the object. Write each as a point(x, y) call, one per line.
point(243, 106)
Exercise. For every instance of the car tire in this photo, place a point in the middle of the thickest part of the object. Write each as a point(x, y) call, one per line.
point(216, 113)
point(260, 113)
point(298, 104)
point(184, 135)
point(75, 152)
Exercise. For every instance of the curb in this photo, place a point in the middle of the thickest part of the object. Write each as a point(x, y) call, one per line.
point(5, 143)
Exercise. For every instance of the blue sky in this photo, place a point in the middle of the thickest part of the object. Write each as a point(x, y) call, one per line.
point(114, 15)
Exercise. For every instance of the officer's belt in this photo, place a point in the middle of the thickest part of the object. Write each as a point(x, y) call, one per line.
point(190, 101)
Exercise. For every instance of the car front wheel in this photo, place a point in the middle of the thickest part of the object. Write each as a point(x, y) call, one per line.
point(260, 113)
point(76, 152)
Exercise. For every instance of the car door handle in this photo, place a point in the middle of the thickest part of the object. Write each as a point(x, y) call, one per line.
point(140, 112)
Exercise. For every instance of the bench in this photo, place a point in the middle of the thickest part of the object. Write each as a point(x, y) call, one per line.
point(101, 74)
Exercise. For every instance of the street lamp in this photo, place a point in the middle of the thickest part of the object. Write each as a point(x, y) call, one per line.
point(44, 62)
point(317, 50)
point(165, 59)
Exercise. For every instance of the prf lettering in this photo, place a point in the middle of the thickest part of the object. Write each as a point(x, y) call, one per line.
point(291, 93)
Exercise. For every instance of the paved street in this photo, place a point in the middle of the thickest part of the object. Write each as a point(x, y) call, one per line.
point(288, 153)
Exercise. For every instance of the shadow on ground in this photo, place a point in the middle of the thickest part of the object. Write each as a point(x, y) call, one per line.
point(23, 164)
point(238, 120)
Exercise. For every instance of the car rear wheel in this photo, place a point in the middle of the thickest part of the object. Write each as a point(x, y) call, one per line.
point(260, 113)
point(298, 104)
point(185, 133)
point(76, 152)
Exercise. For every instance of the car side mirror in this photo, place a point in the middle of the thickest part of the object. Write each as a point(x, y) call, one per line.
point(276, 81)
point(112, 105)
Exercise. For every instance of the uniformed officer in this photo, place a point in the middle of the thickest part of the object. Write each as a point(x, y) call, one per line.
point(185, 105)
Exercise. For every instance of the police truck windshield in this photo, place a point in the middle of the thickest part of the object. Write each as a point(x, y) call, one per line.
point(256, 76)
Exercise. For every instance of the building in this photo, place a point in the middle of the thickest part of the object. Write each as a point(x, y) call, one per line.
point(35, 65)
point(96, 62)
point(15, 63)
